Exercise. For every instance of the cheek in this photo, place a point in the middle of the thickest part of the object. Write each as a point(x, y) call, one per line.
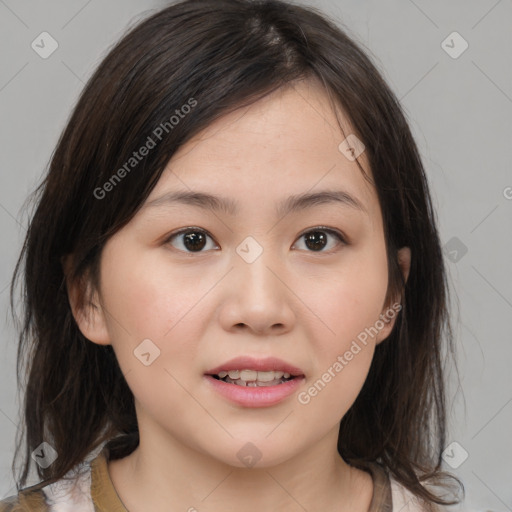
point(348, 303)
point(328, 396)
point(149, 300)
point(146, 296)
point(349, 300)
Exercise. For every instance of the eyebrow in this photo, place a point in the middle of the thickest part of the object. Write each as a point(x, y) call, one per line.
point(292, 204)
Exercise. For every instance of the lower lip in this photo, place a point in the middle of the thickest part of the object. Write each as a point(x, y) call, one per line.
point(263, 396)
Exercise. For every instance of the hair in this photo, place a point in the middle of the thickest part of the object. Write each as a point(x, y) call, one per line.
point(217, 56)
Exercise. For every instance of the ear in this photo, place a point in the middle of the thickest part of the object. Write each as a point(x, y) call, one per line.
point(390, 312)
point(86, 306)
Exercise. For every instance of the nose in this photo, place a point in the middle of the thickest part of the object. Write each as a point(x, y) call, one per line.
point(258, 298)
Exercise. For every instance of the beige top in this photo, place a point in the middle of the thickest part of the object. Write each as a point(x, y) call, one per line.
point(92, 490)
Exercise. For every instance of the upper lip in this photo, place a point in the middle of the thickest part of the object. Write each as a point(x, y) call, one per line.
point(256, 364)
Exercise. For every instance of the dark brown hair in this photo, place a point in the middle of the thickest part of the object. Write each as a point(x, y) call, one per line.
point(224, 54)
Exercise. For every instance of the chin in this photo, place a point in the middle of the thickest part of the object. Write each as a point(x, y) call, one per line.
point(254, 455)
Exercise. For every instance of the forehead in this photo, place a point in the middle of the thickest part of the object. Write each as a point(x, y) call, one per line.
point(286, 144)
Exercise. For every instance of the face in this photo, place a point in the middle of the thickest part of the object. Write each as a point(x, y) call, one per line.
point(293, 286)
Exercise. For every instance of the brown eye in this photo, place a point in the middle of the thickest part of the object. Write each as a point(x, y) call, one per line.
point(317, 239)
point(190, 240)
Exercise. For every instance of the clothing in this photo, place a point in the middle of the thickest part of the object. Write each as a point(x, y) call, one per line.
point(90, 489)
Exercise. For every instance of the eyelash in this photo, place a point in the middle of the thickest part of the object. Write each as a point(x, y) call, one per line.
point(191, 229)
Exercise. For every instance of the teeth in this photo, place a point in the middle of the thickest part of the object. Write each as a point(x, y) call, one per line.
point(249, 375)
point(253, 376)
point(253, 384)
point(268, 376)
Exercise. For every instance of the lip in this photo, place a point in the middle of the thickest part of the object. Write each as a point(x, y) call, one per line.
point(264, 396)
point(257, 364)
point(255, 396)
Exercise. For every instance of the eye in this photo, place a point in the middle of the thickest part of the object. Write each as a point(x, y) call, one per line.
point(317, 239)
point(191, 239)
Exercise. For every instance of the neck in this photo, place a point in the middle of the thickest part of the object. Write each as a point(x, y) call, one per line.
point(162, 471)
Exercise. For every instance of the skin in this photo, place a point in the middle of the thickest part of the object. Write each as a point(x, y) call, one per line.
point(202, 309)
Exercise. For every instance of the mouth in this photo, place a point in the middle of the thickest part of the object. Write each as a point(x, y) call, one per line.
point(252, 372)
point(253, 382)
point(253, 378)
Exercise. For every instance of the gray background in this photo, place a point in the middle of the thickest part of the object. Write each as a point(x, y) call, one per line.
point(459, 109)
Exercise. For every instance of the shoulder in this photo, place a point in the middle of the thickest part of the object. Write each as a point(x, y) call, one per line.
point(29, 499)
point(73, 490)
point(405, 501)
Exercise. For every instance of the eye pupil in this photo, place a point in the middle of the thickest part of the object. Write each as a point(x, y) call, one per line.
point(315, 240)
point(194, 240)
